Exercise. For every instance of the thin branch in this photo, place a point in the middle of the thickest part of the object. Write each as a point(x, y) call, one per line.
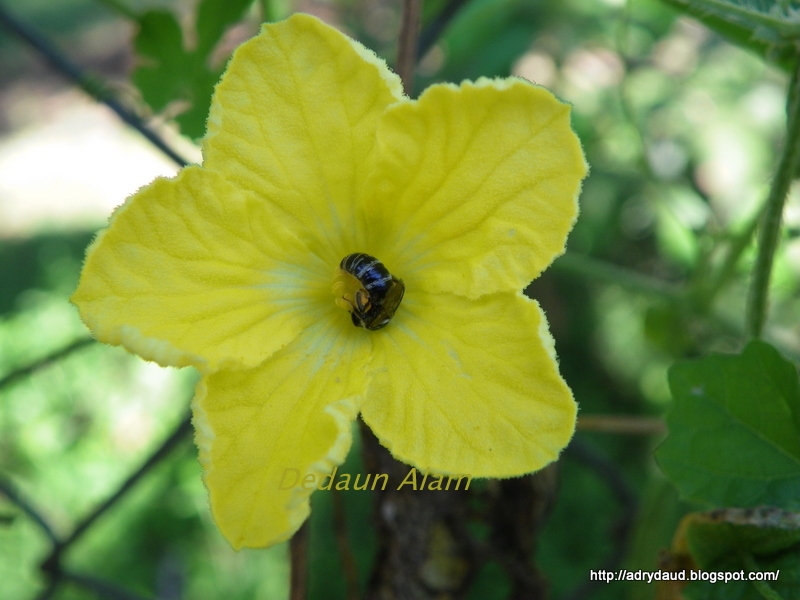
point(433, 31)
point(91, 85)
point(9, 491)
point(736, 248)
point(343, 545)
point(622, 492)
point(769, 232)
point(593, 268)
point(298, 555)
point(407, 44)
point(182, 431)
point(21, 372)
point(622, 424)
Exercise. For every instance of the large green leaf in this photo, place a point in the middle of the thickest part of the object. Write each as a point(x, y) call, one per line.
point(213, 18)
point(162, 75)
point(767, 27)
point(170, 73)
point(734, 430)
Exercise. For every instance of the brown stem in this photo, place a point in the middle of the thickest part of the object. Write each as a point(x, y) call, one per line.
point(407, 44)
point(622, 424)
point(424, 549)
point(343, 545)
point(517, 511)
point(298, 554)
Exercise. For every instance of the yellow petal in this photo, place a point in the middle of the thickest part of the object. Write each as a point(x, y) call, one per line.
point(469, 386)
point(193, 271)
point(476, 186)
point(290, 417)
point(294, 120)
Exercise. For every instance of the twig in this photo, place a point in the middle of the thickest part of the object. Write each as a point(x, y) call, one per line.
point(407, 44)
point(622, 424)
point(298, 555)
point(622, 492)
point(770, 229)
point(181, 431)
point(21, 372)
point(736, 248)
point(343, 545)
point(89, 84)
point(432, 32)
point(9, 491)
point(593, 268)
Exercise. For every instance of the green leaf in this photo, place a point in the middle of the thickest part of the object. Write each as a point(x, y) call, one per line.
point(734, 430)
point(724, 535)
point(162, 76)
point(169, 73)
point(193, 121)
point(737, 540)
point(766, 29)
point(213, 17)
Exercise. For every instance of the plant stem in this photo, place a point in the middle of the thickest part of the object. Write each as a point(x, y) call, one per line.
point(433, 30)
point(611, 475)
point(298, 556)
point(624, 424)
point(738, 244)
point(407, 44)
point(769, 231)
point(349, 567)
point(593, 268)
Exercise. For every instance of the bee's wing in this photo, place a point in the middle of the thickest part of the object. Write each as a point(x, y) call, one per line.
point(393, 298)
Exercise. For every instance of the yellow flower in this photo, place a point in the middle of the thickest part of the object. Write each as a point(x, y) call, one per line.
point(313, 153)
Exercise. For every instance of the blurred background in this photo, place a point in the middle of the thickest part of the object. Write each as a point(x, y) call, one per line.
point(681, 131)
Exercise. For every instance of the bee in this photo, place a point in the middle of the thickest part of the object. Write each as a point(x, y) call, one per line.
point(374, 305)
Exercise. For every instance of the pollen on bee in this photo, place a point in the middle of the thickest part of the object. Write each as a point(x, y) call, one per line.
point(345, 287)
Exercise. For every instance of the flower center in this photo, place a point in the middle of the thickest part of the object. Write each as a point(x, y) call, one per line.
point(365, 288)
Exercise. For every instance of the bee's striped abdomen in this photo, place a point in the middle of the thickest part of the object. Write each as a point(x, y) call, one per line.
point(375, 278)
point(375, 303)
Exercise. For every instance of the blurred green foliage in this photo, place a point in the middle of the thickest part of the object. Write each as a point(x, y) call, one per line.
point(680, 129)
